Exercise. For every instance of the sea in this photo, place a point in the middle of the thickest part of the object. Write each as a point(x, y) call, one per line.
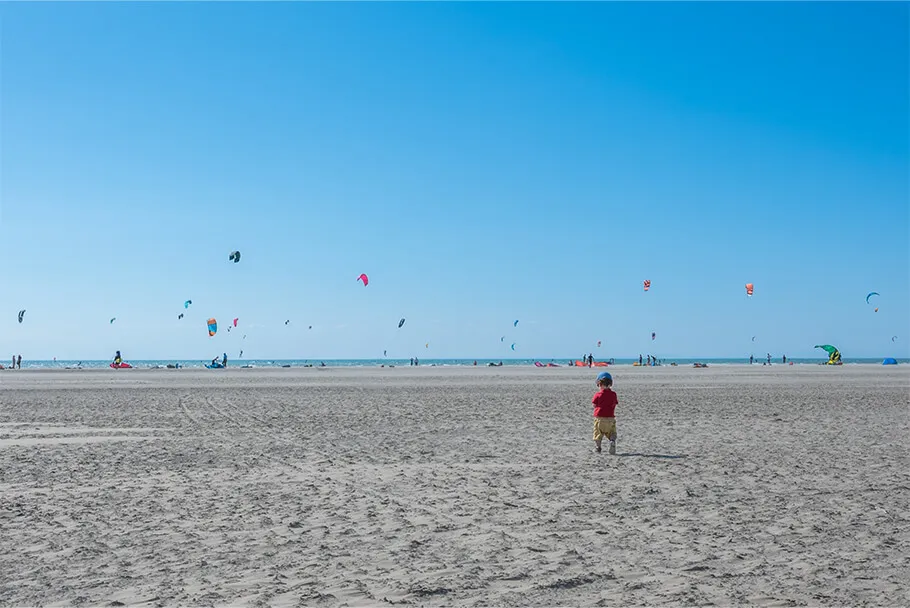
point(266, 363)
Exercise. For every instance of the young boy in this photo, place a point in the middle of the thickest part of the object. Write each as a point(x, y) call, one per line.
point(605, 402)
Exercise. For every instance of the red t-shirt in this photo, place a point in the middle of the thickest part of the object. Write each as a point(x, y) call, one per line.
point(605, 402)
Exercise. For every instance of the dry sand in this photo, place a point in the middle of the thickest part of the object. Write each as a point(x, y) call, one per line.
point(440, 486)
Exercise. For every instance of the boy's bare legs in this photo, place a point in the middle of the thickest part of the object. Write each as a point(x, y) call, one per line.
point(613, 443)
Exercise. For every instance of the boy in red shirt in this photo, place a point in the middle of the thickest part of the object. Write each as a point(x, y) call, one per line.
point(605, 402)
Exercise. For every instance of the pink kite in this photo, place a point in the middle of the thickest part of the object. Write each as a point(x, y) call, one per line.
point(235, 321)
point(365, 279)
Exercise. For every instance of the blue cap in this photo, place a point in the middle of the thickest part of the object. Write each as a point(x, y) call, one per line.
point(604, 376)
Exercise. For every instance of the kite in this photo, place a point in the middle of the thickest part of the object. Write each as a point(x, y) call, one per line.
point(310, 327)
point(365, 279)
point(893, 338)
point(653, 335)
point(384, 353)
point(833, 353)
point(288, 321)
point(598, 344)
point(112, 320)
point(647, 284)
point(515, 324)
point(234, 257)
point(513, 346)
point(213, 327)
point(180, 316)
point(753, 338)
point(400, 323)
point(21, 314)
point(235, 321)
point(749, 288)
point(502, 339)
point(187, 303)
point(427, 345)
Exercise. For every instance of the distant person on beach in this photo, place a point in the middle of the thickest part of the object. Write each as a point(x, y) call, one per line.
point(19, 362)
point(751, 359)
point(649, 359)
point(13, 364)
point(117, 358)
point(769, 358)
point(639, 358)
point(605, 402)
point(785, 359)
point(224, 359)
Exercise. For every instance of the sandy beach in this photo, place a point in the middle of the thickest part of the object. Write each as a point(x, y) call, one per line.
point(471, 486)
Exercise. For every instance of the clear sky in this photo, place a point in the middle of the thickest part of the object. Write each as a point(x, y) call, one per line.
point(480, 162)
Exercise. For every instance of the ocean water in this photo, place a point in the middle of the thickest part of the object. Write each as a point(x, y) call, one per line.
point(236, 363)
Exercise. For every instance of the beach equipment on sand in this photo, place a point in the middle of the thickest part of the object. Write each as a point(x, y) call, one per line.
point(889, 361)
point(833, 354)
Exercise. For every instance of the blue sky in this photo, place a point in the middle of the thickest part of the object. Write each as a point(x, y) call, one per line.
point(480, 162)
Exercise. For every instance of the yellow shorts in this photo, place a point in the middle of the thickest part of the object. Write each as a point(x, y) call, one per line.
point(604, 427)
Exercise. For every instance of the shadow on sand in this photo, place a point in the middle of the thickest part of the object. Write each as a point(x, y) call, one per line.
point(664, 456)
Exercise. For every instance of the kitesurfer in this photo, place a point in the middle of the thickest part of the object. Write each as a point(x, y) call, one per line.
point(19, 362)
point(224, 360)
point(605, 402)
point(117, 359)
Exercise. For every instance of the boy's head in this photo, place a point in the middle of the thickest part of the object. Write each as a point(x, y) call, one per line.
point(604, 380)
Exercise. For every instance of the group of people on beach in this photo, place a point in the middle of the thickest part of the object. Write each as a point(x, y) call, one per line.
point(767, 360)
point(15, 364)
